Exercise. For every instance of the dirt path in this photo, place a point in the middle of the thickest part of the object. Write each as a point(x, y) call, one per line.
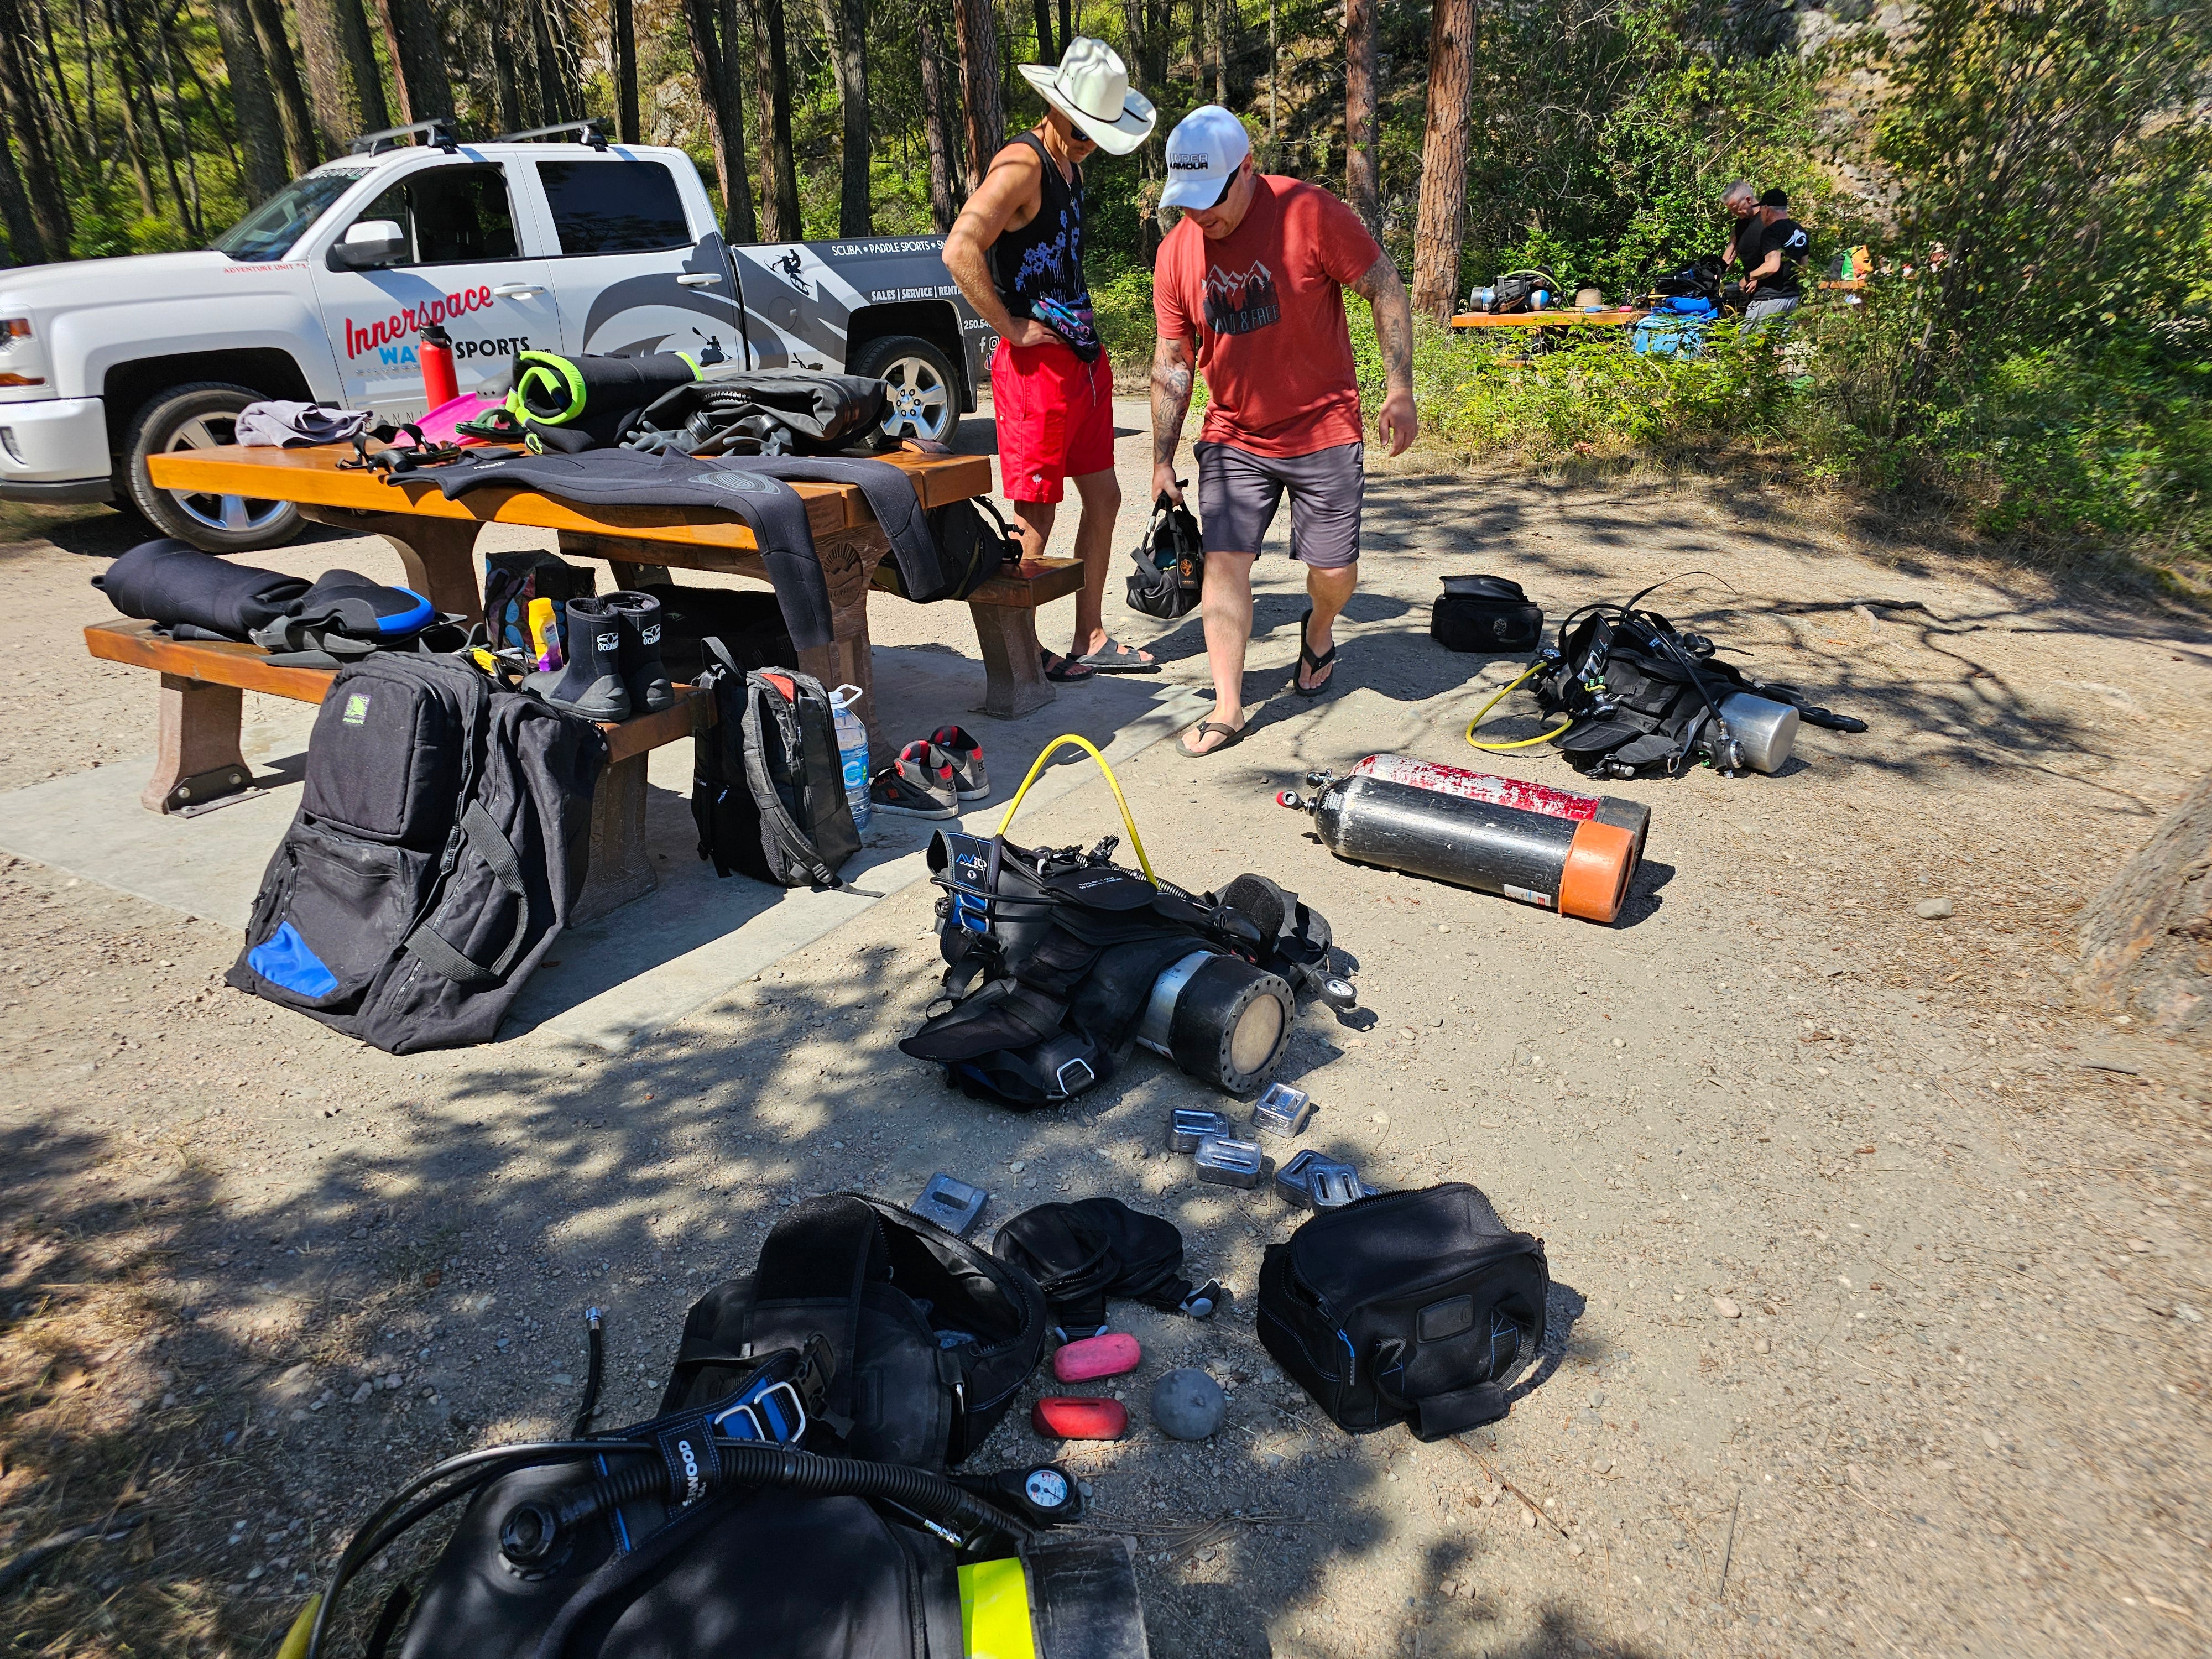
point(1880, 1268)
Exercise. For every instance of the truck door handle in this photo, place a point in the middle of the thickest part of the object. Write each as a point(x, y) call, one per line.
point(698, 279)
point(518, 291)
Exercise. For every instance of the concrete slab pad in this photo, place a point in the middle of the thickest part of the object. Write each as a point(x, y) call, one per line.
point(651, 961)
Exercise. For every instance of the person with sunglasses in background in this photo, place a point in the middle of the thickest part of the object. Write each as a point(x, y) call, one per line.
point(1017, 252)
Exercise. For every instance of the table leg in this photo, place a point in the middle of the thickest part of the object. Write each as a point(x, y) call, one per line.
point(621, 867)
point(848, 562)
point(1013, 665)
point(199, 759)
point(438, 555)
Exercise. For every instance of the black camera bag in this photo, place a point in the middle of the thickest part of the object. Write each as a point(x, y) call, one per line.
point(1170, 573)
point(1415, 1308)
point(933, 1337)
point(1486, 614)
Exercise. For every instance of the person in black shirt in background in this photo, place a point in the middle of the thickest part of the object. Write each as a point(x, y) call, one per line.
point(1746, 225)
point(1770, 285)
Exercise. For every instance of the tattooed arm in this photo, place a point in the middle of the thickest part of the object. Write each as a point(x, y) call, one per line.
point(1171, 388)
point(1394, 331)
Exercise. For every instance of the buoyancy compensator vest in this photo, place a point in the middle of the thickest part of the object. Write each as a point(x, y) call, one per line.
point(1054, 956)
point(1631, 692)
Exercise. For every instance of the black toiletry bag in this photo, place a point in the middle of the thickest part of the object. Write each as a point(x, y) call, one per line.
point(1487, 614)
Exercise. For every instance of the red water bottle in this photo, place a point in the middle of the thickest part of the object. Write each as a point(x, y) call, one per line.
point(435, 348)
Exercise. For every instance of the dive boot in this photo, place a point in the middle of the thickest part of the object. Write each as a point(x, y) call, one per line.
point(643, 677)
point(591, 684)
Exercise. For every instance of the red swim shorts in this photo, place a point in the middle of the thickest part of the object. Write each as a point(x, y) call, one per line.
point(1055, 415)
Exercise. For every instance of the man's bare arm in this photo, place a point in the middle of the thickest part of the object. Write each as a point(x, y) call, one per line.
point(1385, 291)
point(1171, 388)
point(1016, 180)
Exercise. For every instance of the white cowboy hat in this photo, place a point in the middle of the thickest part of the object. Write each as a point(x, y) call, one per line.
point(1091, 88)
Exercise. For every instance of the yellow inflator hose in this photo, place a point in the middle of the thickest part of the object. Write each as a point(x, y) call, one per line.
point(1112, 782)
point(1526, 675)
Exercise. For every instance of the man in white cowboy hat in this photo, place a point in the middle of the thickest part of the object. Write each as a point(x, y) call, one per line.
point(1017, 252)
point(1249, 288)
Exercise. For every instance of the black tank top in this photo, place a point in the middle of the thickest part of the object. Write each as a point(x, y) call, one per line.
point(1043, 260)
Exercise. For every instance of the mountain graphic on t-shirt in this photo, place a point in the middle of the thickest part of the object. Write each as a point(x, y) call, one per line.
point(1240, 302)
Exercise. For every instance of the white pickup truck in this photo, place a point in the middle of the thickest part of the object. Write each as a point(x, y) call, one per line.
point(575, 247)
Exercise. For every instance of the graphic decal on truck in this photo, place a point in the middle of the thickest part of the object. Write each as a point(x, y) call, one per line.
point(403, 322)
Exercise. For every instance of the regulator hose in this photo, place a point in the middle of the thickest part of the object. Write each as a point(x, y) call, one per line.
point(534, 1529)
point(1526, 675)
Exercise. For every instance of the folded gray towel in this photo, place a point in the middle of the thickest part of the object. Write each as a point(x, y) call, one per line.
point(286, 425)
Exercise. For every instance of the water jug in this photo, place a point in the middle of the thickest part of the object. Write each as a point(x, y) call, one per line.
point(853, 751)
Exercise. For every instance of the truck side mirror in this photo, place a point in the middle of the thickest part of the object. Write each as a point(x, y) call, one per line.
point(368, 243)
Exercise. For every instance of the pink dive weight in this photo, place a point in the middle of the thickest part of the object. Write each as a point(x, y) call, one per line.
point(1110, 1355)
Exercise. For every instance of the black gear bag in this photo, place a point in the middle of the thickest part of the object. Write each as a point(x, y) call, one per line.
point(439, 849)
point(1485, 614)
point(1415, 1308)
point(768, 788)
point(1082, 1253)
point(1170, 573)
point(930, 1337)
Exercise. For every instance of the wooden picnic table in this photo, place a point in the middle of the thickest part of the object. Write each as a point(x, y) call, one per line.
point(1615, 317)
point(435, 539)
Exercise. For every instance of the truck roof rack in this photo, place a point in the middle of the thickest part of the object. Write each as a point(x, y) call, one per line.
point(439, 132)
point(592, 132)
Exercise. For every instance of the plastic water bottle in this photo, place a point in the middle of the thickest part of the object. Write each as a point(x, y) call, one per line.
point(853, 752)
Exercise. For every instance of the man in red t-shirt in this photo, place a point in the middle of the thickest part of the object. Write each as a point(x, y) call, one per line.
point(1250, 286)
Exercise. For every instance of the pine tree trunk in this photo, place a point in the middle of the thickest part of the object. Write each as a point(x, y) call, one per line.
point(1440, 225)
point(740, 222)
point(134, 142)
point(331, 91)
point(1067, 28)
point(723, 123)
point(846, 23)
point(76, 138)
point(195, 221)
point(1042, 9)
point(625, 43)
point(976, 25)
point(1362, 130)
point(937, 130)
point(39, 177)
point(418, 60)
point(2147, 939)
point(25, 246)
point(552, 92)
point(300, 148)
point(252, 101)
point(779, 219)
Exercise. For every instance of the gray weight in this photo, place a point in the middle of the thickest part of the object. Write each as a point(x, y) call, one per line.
point(1188, 1404)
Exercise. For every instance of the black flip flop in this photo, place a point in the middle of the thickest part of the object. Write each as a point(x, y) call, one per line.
point(1236, 736)
point(1307, 659)
point(1070, 669)
point(1116, 657)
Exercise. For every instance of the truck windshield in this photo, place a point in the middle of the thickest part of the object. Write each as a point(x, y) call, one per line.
point(270, 230)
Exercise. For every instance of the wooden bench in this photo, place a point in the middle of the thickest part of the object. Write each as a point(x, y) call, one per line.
point(435, 541)
point(203, 685)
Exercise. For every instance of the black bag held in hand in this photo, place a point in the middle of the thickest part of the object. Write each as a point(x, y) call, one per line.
point(768, 788)
point(1171, 572)
point(1080, 1254)
point(1485, 614)
point(1414, 1308)
point(930, 1337)
point(437, 852)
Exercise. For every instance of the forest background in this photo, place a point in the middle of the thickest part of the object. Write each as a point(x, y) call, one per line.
point(2033, 367)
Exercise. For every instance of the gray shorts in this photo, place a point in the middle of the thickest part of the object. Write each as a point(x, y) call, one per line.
point(1239, 491)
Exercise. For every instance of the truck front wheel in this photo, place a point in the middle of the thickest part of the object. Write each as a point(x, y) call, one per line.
point(200, 417)
point(924, 400)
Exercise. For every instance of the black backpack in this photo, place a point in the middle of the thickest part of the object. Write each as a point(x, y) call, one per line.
point(1488, 614)
point(970, 549)
point(1171, 572)
point(1411, 1308)
point(1517, 289)
point(768, 789)
point(931, 1337)
point(439, 848)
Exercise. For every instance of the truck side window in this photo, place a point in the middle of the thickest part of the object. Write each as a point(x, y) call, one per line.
point(615, 206)
point(451, 215)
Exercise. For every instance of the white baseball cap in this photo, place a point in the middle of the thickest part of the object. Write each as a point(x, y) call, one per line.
point(1204, 152)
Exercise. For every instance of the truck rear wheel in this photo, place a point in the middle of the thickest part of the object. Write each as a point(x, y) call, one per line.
point(200, 417)
point(925, 401)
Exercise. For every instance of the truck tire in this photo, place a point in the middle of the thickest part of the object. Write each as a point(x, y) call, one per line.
point(199, 416)
point(924, 392)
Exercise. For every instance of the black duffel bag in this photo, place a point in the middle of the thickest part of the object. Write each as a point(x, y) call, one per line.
point(1414, 1308)
point(1486, 614)
point(1170, 573)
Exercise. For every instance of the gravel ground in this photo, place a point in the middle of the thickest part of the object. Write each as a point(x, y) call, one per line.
point(1878, 1265)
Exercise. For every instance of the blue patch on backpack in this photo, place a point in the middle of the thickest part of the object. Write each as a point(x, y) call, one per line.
point(284, 959)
